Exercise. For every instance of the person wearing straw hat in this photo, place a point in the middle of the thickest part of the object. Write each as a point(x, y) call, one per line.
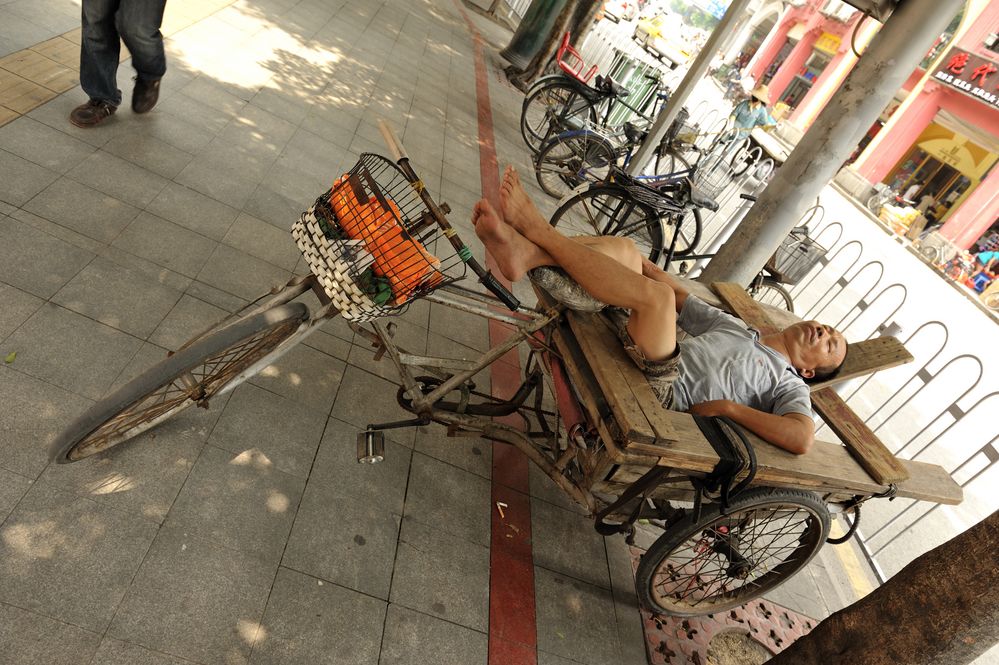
point(752, 112)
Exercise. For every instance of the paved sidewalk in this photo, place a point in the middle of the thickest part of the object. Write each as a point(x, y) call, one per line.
point(247, 533)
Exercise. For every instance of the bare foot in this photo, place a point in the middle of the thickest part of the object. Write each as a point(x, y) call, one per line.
point(518, 209)
point(514, 254)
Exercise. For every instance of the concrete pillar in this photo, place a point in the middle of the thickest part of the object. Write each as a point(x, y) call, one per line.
point(698, 70)
point(899, 133)
point(893, 54)
point(977, 213)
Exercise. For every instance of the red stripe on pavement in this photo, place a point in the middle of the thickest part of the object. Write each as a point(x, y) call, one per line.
point(513, 635)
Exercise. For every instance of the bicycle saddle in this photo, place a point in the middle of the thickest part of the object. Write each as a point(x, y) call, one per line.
point(610, 86)
point(633, 133)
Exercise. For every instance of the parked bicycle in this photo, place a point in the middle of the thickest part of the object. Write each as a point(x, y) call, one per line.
point(885, 195)
point(557, 102)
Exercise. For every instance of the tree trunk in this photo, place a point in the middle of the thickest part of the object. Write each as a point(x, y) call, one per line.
point(941, 609)
point(575, 11)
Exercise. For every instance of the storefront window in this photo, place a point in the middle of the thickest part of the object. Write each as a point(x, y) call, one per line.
point(802, 82)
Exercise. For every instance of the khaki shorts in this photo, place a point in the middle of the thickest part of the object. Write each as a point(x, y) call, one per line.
point(660, 373)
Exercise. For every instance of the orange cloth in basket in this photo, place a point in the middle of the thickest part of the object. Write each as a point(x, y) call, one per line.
point(402, 260)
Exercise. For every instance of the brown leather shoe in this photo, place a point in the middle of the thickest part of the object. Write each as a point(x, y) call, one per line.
point(92, 113)
point(145, 95)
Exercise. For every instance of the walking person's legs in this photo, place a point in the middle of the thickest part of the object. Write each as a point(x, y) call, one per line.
point(139, 22)
point(99, 52)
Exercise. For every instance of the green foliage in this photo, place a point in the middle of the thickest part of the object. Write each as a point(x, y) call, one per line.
point(693, 16)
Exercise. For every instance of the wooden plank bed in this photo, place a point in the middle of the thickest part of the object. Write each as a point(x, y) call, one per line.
point(637, 431)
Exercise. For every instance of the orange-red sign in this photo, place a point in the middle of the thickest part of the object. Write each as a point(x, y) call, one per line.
point(971, 74)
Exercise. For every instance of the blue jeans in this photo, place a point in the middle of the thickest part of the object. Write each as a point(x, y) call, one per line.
point(137, 23)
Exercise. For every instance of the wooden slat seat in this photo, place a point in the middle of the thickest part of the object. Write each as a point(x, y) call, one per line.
point(638, 430)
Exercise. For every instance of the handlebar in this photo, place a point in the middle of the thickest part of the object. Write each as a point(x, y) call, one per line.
point(486, 278)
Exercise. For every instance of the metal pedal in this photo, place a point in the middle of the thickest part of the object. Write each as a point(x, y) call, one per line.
point(370, 447)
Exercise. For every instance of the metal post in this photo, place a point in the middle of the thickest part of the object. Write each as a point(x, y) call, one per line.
point(696, 72)
point(892, 55)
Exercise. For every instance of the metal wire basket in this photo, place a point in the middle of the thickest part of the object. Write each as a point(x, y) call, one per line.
point(712, 174)
point(373, 243)
point(795, 257)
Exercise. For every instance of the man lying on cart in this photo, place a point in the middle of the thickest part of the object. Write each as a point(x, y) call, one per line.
point(722, 369)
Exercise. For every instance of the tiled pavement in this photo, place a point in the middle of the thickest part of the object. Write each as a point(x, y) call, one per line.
point(248, 533)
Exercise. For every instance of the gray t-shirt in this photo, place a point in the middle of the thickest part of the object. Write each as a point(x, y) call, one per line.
point(724, 360)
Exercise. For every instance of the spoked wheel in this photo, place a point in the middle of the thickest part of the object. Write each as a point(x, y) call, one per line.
point(687, 227)
point(610, 210)
point(569, 160)
point(192, 375)
point(550, 110)
point(771, 292)
point(724, 561)
point(742, 159)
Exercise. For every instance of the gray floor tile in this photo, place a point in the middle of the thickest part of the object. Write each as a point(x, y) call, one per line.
point(286, 176)
point(116, 652)
point(150, 153)
point(185, 132)
point(545, 658)
point(239, 500)
point(193, 211)
point(55, 114)
point(118, 178)
point(348, 524)
point(189, 317)
point(544, 488)
point(70, 558)
point(216, 297)
point(195, 599)
point(29, 639)
point(283, 431)
point(166, 244)
point(552, 528)
point(365, 399)
point(275, 209)
point(146, 268)
point(227, 182)
point(56, 230)
point(39, 143)
point(141, 476)
point(71, 351)
point(575, 620)
point(12, 489)
point(83, 209)
point(34, 413)
point(20, 179)
point(306, 376)
point(309, 621)
point(442, 576)
point(457, 501)
point(263, 241)
point(411, 637)
point(117, 297)
point(469, 453)
point(240, 274)
point(18, 306)
point(329, 344)
point(206, 91)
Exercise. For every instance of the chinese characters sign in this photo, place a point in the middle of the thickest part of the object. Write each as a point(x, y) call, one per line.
point(971, 74)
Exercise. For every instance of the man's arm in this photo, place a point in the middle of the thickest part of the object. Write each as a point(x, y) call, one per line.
point(652, 271)
point(793, 432)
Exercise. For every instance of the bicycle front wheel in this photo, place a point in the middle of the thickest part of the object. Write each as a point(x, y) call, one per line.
point(726, 559)
point(192, 375)
point(548, 111)
point(771, 292)
point(687, 226)
point(570, 159)
point(611, 210)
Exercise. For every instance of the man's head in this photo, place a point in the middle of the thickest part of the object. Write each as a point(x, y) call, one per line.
point(817, 351)
point(760, 95)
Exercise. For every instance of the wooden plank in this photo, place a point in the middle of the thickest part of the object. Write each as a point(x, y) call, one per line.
point(867, 357)
point(862, 443)
point(599, 334)
point(616, 388)
point(742, 305)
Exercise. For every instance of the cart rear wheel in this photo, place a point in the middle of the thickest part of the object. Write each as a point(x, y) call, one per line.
point(723, 561)
point(610, 210)
point(192, 375)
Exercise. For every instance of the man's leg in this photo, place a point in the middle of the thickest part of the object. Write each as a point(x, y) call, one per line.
point(139, 22)
point(99, 51)
point(652, 325)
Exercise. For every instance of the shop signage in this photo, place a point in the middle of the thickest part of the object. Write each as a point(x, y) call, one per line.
point(827, 42)
point(971, 74)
